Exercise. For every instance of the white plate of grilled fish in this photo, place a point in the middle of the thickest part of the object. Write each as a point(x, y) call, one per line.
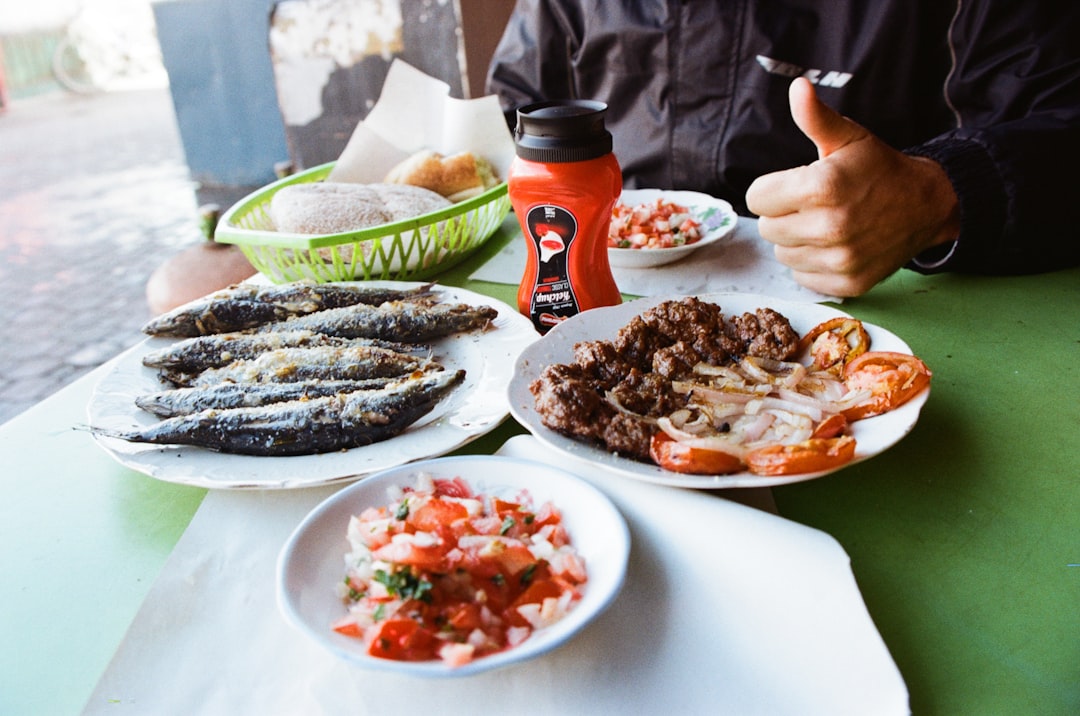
point(303, 384)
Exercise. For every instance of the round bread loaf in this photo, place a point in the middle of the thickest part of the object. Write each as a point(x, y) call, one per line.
point(338, 207)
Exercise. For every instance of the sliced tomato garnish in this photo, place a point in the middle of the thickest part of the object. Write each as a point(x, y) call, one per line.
point(892, 379)
point(811, 455)
point(831, 427)
point(670, 454)
point(835, 343)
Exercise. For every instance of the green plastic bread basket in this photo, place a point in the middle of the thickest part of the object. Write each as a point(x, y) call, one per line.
point(408, 250)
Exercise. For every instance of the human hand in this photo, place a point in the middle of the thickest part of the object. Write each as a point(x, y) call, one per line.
point(857, 214)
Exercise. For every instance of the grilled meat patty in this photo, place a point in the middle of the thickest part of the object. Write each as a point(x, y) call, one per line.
point(614, 390)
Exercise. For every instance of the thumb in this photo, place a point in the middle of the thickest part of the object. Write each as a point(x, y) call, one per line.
point(826, 128)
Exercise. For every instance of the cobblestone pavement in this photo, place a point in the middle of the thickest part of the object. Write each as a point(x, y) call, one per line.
point(94, 195)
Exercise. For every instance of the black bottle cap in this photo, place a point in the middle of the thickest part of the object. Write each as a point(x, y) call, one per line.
point(562, 131)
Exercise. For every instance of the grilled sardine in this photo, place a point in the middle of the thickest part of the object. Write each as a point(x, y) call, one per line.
point(196, 354)
point(303, 427)
point(184, 401)
point(292, 365)
point(248, 305)
point(399, 321)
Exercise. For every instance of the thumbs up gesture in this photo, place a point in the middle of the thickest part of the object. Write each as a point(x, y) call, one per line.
point(857, 214)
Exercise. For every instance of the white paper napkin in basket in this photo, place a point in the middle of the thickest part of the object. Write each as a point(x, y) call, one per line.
point(743, 262)
point(726, 609)
point(414, 112)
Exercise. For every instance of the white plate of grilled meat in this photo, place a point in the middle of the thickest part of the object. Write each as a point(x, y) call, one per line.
point(303, 384)
point(574, 392)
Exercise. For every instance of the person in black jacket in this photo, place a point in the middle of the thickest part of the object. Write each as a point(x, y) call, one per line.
point(866, 136)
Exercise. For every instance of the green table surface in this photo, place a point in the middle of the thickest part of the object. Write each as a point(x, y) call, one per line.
point(964, 538)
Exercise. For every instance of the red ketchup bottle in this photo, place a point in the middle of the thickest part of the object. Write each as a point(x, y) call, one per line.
point(563, 184)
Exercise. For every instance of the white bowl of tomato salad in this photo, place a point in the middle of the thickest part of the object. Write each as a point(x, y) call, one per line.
point(452, 566)
point(654, 227)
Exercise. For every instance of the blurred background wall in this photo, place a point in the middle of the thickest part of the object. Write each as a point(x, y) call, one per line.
point(259, 83)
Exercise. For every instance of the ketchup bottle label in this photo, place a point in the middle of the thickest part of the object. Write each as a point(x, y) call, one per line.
point(552, 230)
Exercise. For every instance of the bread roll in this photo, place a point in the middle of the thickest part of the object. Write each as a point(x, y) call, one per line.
point(337, 207)
point(456, 177)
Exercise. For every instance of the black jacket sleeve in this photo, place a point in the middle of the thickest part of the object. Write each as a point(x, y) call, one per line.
point(1015, 92)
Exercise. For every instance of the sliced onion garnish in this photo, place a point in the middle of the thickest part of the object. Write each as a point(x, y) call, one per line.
point(721, 442)
point(795, 377)
point(706, 394)
point(755, 371)
point(770, 370)
point(816, 404)
point(754, 428)
point(786, 428)
point(689, 422)
point(756, 402)
point(614, 402)
point(852, 398)
point(799, 421)
point(721, 413)
point(788, 406)
point(681, 417)
point(823, 385)
point(719, 371)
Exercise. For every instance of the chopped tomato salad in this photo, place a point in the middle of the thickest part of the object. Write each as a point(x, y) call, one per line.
point(658, 224)
point(443, 573)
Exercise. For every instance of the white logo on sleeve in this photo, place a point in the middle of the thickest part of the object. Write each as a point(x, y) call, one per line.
point(831, 78)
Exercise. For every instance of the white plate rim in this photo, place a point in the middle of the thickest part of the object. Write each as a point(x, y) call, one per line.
point(647, 258)
point(470, 411)
point(873, 435)
point(588, 515)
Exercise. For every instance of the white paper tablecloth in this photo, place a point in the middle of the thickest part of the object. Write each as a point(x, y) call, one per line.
point(726, 610)
point(743, 262)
